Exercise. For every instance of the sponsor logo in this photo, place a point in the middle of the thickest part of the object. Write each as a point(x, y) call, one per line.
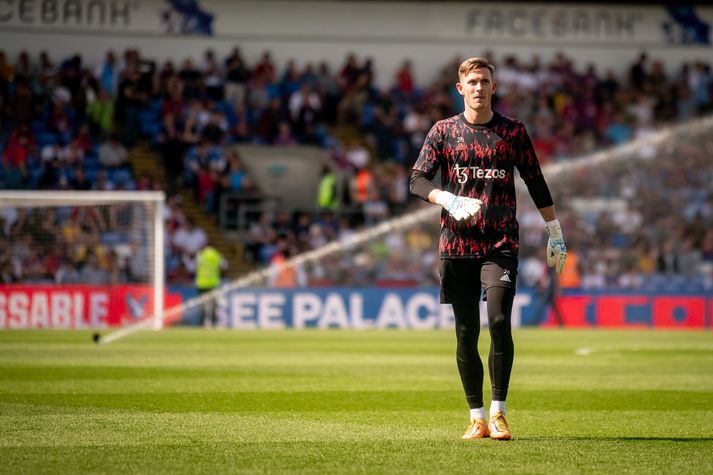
point(137, 306)
point(506, 276)
point(465, 173)
point(187, 17)
point(685, 27)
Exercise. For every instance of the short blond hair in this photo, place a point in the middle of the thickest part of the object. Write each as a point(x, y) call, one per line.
point(467, 66)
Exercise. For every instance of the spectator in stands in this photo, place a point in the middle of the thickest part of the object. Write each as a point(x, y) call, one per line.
point(173, 145)
point(22, 104)
point(214, 131)
point(132, 98)
point(270, 119)
point(305, 108)
point(80, 181)
point(237, 76)
point(260, 235)
point(101, 114)
point(102, 182)
point(189, 238)
point(92, 272)
point(353, 100)
point(20, 150)
point(139, 262)
point(67, 273)
point(192, 80)
point(404, 79)
point(265, 68)
point(618, 131)
point(284, 135)
point(290, 81)
point(374, 208)
point(282, 274)
point(329, 90)
point(236, 172)
point(327, 197)
point(112, 154)
point(212, 76)
point(73, 153)
point(108, 74)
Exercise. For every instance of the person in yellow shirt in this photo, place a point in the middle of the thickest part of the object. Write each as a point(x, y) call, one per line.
point(209, 265)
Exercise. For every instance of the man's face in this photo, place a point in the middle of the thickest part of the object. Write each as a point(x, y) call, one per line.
point(477, 88)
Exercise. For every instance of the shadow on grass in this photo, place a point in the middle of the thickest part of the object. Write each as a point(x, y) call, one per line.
point(622, 439)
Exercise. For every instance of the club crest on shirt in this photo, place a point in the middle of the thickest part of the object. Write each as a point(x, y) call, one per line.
point(502, 148)
point(460, 145)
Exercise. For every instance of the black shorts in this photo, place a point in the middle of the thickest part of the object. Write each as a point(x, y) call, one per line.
point(462, 279)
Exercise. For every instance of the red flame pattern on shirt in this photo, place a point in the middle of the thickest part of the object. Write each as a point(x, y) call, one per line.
point(478, 161)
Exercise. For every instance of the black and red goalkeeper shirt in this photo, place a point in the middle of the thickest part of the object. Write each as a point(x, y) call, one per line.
point(478, 161)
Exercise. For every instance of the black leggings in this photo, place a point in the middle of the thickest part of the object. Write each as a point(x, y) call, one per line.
point(470, 367)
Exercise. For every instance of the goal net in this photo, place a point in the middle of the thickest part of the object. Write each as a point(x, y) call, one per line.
point(81, 259)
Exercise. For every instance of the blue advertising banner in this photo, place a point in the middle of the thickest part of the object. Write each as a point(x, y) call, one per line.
point(420, 308)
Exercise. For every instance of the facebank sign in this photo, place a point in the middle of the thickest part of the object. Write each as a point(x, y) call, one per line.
point(173, 17)
point(370, 22)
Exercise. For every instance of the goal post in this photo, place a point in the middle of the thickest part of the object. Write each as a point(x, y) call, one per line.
point(45, 233)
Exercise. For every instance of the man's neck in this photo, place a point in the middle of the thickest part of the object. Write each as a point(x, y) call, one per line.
point(478, 117)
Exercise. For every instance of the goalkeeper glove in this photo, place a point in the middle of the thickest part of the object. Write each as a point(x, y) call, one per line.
point(460, 207)
point(556, 249)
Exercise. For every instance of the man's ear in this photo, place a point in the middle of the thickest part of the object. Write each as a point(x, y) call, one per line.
point(495, 86)
point(459, 86)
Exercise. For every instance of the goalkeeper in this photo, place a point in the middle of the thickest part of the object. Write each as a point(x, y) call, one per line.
point(477, 152)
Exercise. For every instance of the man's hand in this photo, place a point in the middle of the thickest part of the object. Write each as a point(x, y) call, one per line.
point(459, 207)
point(556, 249)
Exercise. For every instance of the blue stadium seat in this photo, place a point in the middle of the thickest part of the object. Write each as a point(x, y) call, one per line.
point(90, 173)
point(155, 106)
point(45, 138)
point(147, 121)
point(38, 127)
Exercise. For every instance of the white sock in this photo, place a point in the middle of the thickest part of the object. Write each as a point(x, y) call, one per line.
point(497, 406)
point(478, 413)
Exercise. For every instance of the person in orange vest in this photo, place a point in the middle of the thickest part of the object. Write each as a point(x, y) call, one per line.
point(571, 277)
point(282, 274)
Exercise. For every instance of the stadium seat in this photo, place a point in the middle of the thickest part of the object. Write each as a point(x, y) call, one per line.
point(45, 138)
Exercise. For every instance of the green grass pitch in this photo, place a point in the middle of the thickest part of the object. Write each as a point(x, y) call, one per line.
point(195, 401)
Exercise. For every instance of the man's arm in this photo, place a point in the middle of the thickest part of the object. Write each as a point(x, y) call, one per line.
point(458, 206)
point(556, 248)
point(548, 213)
point(529, 168)
point(422, 187)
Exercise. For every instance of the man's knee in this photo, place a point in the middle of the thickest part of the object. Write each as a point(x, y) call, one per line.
point(499, 323)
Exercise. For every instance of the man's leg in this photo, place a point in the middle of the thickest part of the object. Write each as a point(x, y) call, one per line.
point(205, 310)
point(501, 356)
point(502, 350)
point(457, 288)
point(470, 366)
point(498, 276)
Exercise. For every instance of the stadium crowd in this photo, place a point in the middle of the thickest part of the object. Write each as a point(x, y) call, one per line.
point(68, 125)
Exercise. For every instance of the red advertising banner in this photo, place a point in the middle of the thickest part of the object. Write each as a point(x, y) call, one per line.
point(633, 311)
point(76, 306)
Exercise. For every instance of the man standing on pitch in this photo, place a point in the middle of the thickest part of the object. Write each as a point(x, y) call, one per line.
point(477, 152)
point(209, 264)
